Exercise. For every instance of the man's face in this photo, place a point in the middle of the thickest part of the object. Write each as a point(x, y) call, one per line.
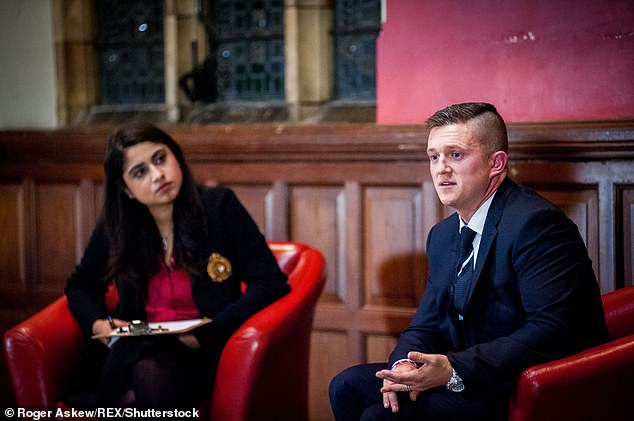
point(459, 167)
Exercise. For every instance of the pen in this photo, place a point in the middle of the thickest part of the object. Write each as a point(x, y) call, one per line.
point(112, 325)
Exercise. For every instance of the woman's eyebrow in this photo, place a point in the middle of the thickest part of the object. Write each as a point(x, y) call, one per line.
point(158, 151)
point(133, 168)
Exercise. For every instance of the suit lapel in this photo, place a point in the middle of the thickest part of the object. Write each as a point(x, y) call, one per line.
point(455, 245)
point(490, 231)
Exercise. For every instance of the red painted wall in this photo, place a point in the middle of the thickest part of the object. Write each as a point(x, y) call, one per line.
point(536, 60)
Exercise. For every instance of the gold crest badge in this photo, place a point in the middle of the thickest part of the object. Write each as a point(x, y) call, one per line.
point(218, 268)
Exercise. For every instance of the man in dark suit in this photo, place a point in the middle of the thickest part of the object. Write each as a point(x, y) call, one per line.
point(510, 285)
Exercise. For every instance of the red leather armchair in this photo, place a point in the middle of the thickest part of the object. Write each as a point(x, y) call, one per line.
point(262, 373)
point(596, 384)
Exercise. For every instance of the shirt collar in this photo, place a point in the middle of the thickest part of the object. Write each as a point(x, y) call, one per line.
point(479, 217)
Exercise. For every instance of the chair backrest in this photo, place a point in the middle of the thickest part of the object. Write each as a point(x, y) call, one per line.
point(263, 370)
point(619, 312)
point(560, 389)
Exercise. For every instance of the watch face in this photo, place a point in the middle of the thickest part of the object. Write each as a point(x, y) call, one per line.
point(457, 387)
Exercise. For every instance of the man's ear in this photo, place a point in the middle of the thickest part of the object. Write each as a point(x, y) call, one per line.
point(498, 162)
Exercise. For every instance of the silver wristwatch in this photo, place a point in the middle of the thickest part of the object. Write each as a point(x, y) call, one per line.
point(455, 384)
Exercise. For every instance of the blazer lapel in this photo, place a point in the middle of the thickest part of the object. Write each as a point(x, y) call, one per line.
point(490, 231)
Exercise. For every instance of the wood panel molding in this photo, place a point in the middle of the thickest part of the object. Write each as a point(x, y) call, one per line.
point(324, 142)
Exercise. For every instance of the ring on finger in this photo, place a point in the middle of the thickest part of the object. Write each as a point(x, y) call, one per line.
point(409, 389)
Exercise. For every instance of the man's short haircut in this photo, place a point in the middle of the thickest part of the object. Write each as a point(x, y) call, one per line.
point(488, 123)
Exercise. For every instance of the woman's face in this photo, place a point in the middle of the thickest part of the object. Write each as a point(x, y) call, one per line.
point(152, 174)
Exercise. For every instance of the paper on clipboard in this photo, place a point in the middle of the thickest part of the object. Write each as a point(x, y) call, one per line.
point(157, 328)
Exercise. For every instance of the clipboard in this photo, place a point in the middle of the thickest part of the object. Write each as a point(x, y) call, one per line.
point(154, 328)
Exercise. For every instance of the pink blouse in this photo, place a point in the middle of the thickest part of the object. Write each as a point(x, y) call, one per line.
point(170, 296)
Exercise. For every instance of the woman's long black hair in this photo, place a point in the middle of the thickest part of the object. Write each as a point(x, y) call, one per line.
point(134, 239)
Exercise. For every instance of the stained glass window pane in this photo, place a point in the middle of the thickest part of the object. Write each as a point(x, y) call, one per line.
point(247, 39)
point(130, 48)
point(357, 24)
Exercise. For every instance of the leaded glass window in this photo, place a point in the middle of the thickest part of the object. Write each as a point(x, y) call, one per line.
point(247, 43)
point(357, 25)
point(131, 52)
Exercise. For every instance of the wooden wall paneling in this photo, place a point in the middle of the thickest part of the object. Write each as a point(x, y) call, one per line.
point(15, 293)
point(353, 273)
point(277, 205)
point(317, 217)
point(30, 234)
point(328, 356)
point(56, 208)
point(267, 204)
point(379, 347)
point(43, 171)
point(255, 198)
point(606, 273)
point(626, 236)
point(392, 246)
point(609, 175)
point(85, 216)
point(12, 238)
point(320, 172)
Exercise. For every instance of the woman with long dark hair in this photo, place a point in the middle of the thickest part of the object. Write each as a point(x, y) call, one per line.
point(174, 251)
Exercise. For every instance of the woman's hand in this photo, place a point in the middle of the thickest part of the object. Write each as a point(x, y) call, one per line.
point(103, 327)
point(189, 340)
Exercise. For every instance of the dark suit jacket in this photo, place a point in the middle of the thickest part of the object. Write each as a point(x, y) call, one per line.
point(534, 295)
point(232, 233)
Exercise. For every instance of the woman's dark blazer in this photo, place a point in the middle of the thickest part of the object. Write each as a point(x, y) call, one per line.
point(231, 233)
point(534, 295)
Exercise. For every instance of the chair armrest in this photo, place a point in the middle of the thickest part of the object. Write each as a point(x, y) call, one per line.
point(263, 370)
point(41, 353)
point(593, 384)
point(619, 311)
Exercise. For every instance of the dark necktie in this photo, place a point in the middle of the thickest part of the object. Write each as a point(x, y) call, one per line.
point(463, 281)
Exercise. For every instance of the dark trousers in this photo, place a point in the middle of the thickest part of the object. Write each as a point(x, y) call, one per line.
point(355, 394)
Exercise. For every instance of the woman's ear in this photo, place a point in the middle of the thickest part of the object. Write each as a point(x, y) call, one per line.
point(127, 192)
point(498, 161)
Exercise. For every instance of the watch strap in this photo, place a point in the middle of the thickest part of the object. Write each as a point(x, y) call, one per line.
point(455, 384)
